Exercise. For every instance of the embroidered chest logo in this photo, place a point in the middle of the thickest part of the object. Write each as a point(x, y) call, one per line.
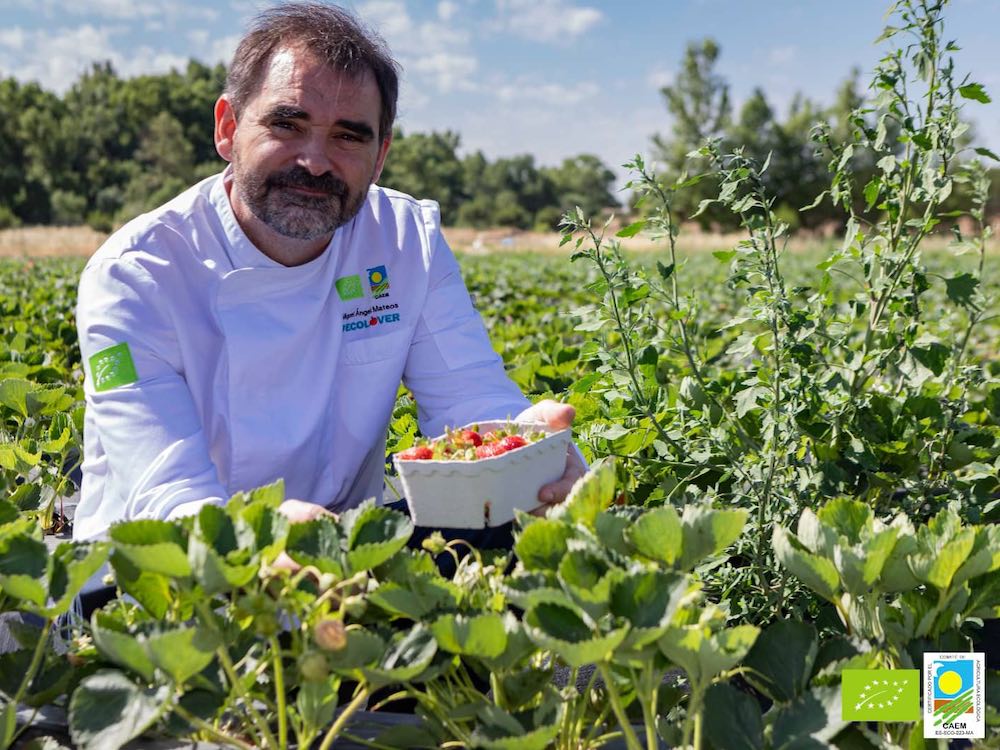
point(349, 287)
point(378, 281)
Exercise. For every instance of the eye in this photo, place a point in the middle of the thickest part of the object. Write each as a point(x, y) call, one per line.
point(286, 125)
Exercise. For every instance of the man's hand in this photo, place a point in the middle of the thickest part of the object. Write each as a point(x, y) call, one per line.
point(297, 511)
point(558, 417)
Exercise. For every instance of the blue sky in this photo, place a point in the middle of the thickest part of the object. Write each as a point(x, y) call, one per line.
point(548, 77)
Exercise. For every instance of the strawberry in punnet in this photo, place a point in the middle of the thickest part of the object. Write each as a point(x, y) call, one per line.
point(512, 442)
point(472, 437)
point(469, 444)
point(489, 450)
point(417, 453)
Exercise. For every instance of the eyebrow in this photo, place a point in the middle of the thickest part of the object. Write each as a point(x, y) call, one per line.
point(289, 112)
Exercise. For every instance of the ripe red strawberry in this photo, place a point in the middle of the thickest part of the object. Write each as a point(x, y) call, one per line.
point(417, 453)
point(471, 437)
point(511, 442)
point(489, 450)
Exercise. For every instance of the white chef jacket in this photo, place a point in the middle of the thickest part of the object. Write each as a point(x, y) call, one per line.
point(247, 371)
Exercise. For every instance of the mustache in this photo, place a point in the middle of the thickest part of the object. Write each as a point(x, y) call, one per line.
point(300, 177)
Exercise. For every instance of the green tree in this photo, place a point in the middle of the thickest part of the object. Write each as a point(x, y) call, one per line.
point(426, 165)
point(698, 104)
point(583, 181)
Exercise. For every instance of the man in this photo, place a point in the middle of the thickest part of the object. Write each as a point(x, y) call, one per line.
point(257, 326)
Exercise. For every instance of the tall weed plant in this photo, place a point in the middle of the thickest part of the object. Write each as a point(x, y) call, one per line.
point(806, 393)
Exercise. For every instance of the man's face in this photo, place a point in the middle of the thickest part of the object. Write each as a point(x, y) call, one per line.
point(305, 149)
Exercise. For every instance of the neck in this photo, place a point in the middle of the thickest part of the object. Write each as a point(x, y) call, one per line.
point(284, 250)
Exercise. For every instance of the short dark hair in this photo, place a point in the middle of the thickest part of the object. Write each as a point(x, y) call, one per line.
point(331, 33)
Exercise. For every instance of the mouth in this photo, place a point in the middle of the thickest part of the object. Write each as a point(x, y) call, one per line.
point(311, 192)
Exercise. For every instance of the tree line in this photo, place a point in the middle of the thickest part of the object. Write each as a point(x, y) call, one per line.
point(111, 148)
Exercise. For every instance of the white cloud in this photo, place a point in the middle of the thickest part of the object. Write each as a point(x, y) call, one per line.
point(438, 53)
point(782, 55)
point(660, 77)
point(547, 20)
point(555, 94)
point(447, 70)
point(446, 10)
point(57, 58)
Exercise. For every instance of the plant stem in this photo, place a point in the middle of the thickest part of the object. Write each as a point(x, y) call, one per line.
point(279, 692)
point(341, 722)
point(616, 704)
point(208, 729)
point(222, 652)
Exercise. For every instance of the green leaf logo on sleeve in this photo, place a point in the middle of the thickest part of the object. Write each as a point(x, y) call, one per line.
point(880, 694)
point(112, 367)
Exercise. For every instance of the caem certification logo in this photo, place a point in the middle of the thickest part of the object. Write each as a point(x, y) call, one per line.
point(954, 695)
point(880, 694)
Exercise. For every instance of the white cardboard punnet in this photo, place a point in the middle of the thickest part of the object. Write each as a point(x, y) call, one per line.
point(485, 492)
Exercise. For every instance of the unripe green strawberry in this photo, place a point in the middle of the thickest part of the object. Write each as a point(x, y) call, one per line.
point(330, 634)
point(313, 666)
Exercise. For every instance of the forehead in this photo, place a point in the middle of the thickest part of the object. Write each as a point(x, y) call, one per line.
point(296, 76)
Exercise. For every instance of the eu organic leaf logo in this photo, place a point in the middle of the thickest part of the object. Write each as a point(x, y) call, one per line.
point(880, 694)
point(112, 367)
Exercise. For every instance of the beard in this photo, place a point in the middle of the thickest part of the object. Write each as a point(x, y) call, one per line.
point(291, 213)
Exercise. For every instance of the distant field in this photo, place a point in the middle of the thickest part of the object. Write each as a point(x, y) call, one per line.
point(37, 242)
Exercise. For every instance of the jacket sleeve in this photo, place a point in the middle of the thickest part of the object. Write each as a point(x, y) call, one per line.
point(455, 375)
point(152, 451)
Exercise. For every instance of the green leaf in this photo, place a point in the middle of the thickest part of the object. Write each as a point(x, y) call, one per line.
point(782, 659)
point(116, 644)
point(610, 529)
point(934, 357)
point(364, 648)
point(181, 652)
point(818, 573)
point(374, 534)
point(317, 701)
point(318, 543)
point(665, 271)
point(408, 654)
point(151, 546)
point(708, 532)
point(107, 710)
point(415, 598)
point(732, 719)
point(591, 494)
point(847, 517)
point(563, 631)
point(814, 715)
point(482, 636)
point(73, 565)
point(938, 567)
point(986, 152)
point(960, 288)
point(974, 91)
point(541, 545)
point(14, 394)
point(705, 655)
point(657, 534)
point(632, 229)
point(648, 600)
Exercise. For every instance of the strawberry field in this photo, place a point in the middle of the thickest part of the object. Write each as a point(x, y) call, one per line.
point(794, 472)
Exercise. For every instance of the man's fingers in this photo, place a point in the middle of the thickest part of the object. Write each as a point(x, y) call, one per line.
point(557, 491)
point(297, 511)
point(556, 415)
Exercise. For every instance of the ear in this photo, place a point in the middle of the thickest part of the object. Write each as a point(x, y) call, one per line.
point(225, 127)
point(383, 150)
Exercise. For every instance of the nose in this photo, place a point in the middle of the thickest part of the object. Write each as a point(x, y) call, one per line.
point(314, 157)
